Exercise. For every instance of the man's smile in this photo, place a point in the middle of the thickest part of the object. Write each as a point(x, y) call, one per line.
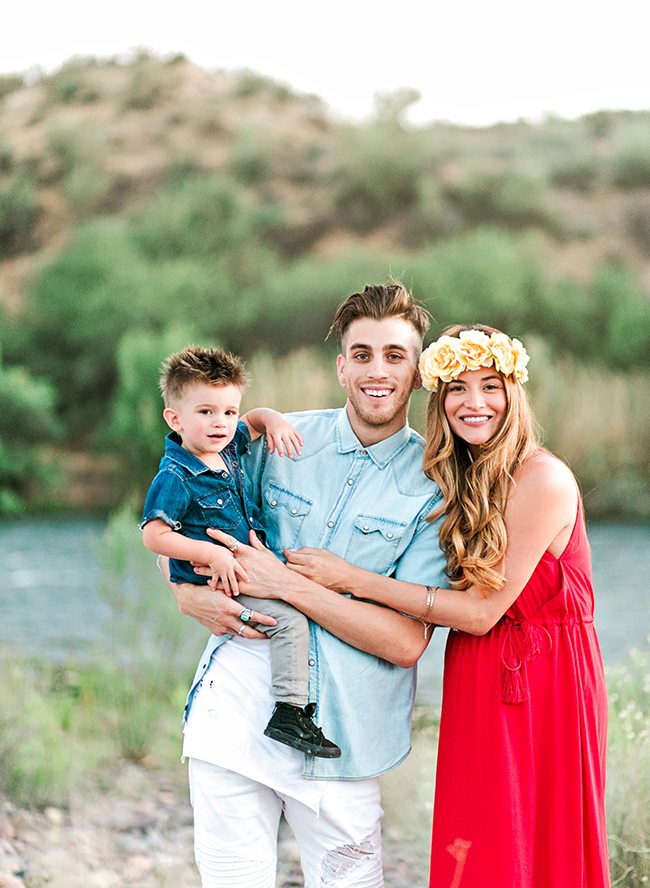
point(377, 392)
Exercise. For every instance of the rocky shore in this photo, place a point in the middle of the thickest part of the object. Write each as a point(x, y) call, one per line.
point(135, 829)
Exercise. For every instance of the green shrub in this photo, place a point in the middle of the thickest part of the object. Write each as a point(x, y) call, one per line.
point(625, 313)
point(487, 276)
point(19, 211)
point(73, 82)
point(149, 644)
point(26, 423)
point(378, 176)
point(6, 158)
point(578, 174)
point(145, 84)
point(36, 758)
point(137, 429)
point(511, 199)
point(76, 145)
point(637, 225)
point(628, 776)
point(630, 163)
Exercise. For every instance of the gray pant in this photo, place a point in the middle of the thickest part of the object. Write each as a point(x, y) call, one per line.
point(289, 648)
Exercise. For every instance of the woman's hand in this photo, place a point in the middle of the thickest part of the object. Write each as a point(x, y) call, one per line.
point(321, 566)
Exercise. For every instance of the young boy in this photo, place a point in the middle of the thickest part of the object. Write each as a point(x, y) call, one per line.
point(200, 485)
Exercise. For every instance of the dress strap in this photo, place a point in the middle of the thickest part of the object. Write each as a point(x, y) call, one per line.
point(522, 641)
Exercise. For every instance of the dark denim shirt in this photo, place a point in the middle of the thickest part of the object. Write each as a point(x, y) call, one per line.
point(189, 497)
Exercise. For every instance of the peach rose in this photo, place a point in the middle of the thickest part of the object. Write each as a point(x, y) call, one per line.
point(521, 359)
point(501, 348)
point(440, 361)
point(474, 349)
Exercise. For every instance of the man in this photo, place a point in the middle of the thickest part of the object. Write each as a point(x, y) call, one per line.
point(357, 490)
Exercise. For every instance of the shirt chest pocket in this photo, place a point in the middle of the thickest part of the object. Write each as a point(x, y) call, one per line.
point(221, 509)
point(284, 513)
point(374, 541)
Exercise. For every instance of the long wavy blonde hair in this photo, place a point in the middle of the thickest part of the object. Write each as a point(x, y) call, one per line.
point(475, 488)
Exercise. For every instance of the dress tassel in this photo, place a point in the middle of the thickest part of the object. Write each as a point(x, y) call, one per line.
point(513, 686)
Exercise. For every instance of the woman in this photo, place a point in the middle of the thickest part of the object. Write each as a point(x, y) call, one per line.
point(521, 761)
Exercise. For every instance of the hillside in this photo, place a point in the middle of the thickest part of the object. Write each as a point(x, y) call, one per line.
point(148, 203)
point(96, 137)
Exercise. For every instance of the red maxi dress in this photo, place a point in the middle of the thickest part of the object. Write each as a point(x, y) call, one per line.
point(520, 781)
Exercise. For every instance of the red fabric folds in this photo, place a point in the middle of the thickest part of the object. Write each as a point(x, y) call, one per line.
point(520, 778)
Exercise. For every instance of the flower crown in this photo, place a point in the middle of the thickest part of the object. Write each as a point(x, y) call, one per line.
point(449, 356)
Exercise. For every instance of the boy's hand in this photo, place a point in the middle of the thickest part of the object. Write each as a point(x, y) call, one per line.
point(225, 569)
point(282, 436)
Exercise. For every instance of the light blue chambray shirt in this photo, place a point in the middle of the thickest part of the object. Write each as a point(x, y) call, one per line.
point(368, 505)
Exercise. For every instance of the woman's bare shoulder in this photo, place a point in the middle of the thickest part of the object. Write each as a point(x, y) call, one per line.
point(546, 477)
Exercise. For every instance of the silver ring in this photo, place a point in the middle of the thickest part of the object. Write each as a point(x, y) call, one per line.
point(234, 546)
point(245, 615)
point(241, 628)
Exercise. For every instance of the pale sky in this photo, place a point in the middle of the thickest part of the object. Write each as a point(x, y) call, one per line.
point(474, 61)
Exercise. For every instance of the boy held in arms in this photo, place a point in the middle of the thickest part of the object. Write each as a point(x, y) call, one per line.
point(200, 485)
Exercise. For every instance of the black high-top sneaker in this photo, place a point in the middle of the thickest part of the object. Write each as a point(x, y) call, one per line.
point(293, 726)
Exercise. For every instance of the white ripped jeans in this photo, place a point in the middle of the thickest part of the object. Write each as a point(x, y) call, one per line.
point(236, 824)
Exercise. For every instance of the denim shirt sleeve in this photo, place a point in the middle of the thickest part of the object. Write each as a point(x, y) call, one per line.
point(423, 561)
point(242, 438)
point(253, 461)
point(168, 499)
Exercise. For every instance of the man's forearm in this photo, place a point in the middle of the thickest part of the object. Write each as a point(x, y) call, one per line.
point(376, 630)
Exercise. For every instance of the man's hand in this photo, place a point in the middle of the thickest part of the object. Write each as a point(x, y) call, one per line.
point(214, 609)
point(267, 575)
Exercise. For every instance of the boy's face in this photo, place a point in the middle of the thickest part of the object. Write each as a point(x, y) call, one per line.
point(205, 417)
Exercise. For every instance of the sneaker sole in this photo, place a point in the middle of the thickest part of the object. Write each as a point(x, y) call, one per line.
point(304, 746)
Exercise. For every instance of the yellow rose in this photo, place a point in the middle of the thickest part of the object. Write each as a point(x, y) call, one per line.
point(501, 348)
point(474, 349)
point(440, 361)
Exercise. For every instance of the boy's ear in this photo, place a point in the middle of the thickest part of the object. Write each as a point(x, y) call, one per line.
point(171, 418)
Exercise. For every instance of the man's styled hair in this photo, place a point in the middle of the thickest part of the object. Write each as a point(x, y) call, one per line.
point(379, 301)
point(195, 365)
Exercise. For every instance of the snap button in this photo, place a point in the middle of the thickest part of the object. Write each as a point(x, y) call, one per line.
point(330, 524)
point(312, 662)
point(294, 511)
point(365, 527)
point(363, 452)
point(350, 481)
point(274, 502)
point(220, 502)
point(390, 536)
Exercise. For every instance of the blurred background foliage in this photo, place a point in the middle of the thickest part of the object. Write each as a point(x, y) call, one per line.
point(148, 204)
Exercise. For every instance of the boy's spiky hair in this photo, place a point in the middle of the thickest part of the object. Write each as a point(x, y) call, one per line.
point(194, 365)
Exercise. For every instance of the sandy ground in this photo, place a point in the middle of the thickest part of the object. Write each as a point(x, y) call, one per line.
point(136, 830)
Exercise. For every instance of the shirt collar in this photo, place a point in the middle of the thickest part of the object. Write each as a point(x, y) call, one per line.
point(382, 452)
point(175, 451)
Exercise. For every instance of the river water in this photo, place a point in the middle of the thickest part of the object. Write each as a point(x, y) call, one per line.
point(49, 603)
